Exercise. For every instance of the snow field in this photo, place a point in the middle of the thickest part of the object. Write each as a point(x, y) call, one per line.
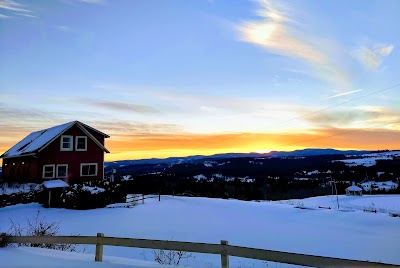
point(267, 225)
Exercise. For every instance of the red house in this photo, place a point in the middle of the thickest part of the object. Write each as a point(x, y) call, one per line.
point(72, 152)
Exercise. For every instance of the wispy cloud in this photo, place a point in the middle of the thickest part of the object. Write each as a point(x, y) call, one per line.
point(344, 93)
point(97, 2)
point(64, 28)
point(4, 16)
point(13, 5)
point(123, 106)
point(279, 33)
point(372, 58)
point(362, 116)
point(26, 15)
point(121, 128)
point(17, 8)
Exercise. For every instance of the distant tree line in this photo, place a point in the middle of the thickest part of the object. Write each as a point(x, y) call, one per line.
point(274, 178)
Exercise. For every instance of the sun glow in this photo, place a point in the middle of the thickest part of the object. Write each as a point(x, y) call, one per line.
point(263, 151)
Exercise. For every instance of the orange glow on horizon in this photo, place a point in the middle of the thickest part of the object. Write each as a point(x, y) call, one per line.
point(143, 146)
point(180, 145)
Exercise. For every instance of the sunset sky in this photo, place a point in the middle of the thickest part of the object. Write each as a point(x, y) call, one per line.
point(177, 78)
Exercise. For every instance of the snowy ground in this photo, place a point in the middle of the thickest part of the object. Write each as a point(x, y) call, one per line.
point(382, 203)
point(269, 225)
point(47, 258)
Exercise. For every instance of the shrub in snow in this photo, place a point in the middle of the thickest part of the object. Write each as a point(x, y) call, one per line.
point(39, 226)
point(89, 195)
point(170, 257)
point(83, 197)
point(16, 193)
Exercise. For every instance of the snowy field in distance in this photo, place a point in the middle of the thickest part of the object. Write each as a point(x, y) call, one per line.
point(269, 225)
point(382, 203)
point(369, 160)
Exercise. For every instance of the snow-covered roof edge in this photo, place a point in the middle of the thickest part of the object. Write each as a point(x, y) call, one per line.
point(38, 140)
point(98, 131)
point(55, 184)
point(353, 188)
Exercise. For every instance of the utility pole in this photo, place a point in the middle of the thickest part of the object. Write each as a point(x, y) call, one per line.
point(337, 197)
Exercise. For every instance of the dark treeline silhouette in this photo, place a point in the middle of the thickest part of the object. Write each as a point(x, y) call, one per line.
point(249, 178)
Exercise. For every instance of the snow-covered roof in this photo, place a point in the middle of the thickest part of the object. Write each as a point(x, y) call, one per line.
point(55, 184)
point(36, 140)
point(354, 188)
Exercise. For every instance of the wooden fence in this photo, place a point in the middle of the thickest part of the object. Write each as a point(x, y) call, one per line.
point(223, 249)
point(141, 197)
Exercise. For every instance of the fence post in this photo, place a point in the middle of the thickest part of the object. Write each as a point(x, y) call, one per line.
point(99, 247)
point(2, 240)
point(224, 255)
point(142, 198)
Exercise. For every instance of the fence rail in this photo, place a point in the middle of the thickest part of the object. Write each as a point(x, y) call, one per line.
point(141, 197)
point(223, 249)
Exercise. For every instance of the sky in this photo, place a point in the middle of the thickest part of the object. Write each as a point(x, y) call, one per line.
point(177, 78)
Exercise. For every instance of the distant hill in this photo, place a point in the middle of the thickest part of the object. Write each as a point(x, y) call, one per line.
point(196, 158)
point(315, 152)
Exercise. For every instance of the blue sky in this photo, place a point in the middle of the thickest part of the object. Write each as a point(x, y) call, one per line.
point(184, 77)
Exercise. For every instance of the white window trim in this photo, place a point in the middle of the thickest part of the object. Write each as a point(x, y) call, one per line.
point(66, 171)
point(76, 143)
point(85, 164)
point(72, 143)
point(43, 171)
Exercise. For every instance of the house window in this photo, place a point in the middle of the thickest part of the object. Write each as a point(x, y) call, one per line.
point(89, 169)
point(81, 143)
point(62, 171)
point(66, 143)
point(48, 171)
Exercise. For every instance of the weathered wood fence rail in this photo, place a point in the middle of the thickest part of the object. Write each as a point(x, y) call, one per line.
point(222, 249)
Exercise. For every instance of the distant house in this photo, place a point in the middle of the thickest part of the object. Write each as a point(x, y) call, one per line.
point(353, 190)
point(72, 152)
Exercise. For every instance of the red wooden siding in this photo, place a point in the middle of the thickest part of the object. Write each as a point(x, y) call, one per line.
point(22, 169)
point(32, 168)
point(53, 155)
